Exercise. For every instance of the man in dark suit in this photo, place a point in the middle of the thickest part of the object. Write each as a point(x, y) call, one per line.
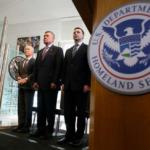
point(47, 73)
point(76, 79)
point(24, 75)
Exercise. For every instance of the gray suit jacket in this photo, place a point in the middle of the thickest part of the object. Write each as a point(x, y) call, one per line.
point(26, 72)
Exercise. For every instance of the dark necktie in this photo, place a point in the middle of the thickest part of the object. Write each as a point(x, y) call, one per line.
point(75, 50)
point(44, 52)
point(25, 63)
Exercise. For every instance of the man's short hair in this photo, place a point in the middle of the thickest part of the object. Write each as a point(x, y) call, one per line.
point(79, 28)
point(51, 33)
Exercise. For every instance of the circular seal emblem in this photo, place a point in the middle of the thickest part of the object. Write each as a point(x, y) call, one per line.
point(13, 66)
point(119, 49)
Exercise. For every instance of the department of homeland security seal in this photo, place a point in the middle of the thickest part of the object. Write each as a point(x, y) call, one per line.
point(119, 49)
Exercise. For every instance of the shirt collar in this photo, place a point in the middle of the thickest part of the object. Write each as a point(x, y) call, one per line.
point(79, 44)
point(49, 46)
point(29, 58)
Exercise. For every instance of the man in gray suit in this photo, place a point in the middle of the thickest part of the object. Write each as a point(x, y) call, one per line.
point(25, 91)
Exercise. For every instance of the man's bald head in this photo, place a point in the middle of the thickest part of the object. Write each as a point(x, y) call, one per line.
point(28, 51)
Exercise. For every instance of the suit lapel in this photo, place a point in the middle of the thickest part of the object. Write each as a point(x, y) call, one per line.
point(21, 66)
point(40, 55)
point(26, 67)
point(70, 55)
point(30, 61)
point(78, 51)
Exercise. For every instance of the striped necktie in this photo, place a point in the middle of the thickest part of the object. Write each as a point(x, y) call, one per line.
point(75, 50)
point(25, 63)
point(44, 52)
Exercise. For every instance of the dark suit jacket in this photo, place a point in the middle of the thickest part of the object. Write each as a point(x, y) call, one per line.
point(26, 72)
point(48, 71)
point(76, 71)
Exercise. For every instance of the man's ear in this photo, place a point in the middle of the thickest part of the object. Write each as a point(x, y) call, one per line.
point(83, 36)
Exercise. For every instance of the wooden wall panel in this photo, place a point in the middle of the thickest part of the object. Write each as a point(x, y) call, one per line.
point(118, 122)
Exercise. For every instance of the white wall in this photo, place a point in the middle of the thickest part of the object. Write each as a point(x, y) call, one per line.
point(33, 29)
point(63, 30)
point(68, 28)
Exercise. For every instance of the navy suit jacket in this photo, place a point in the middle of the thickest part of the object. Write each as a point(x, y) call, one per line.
point(49, 69)
point(76, 72)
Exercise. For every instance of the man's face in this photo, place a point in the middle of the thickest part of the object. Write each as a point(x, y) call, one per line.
point(48, 38)
point(78, 35)
point(28, 51)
